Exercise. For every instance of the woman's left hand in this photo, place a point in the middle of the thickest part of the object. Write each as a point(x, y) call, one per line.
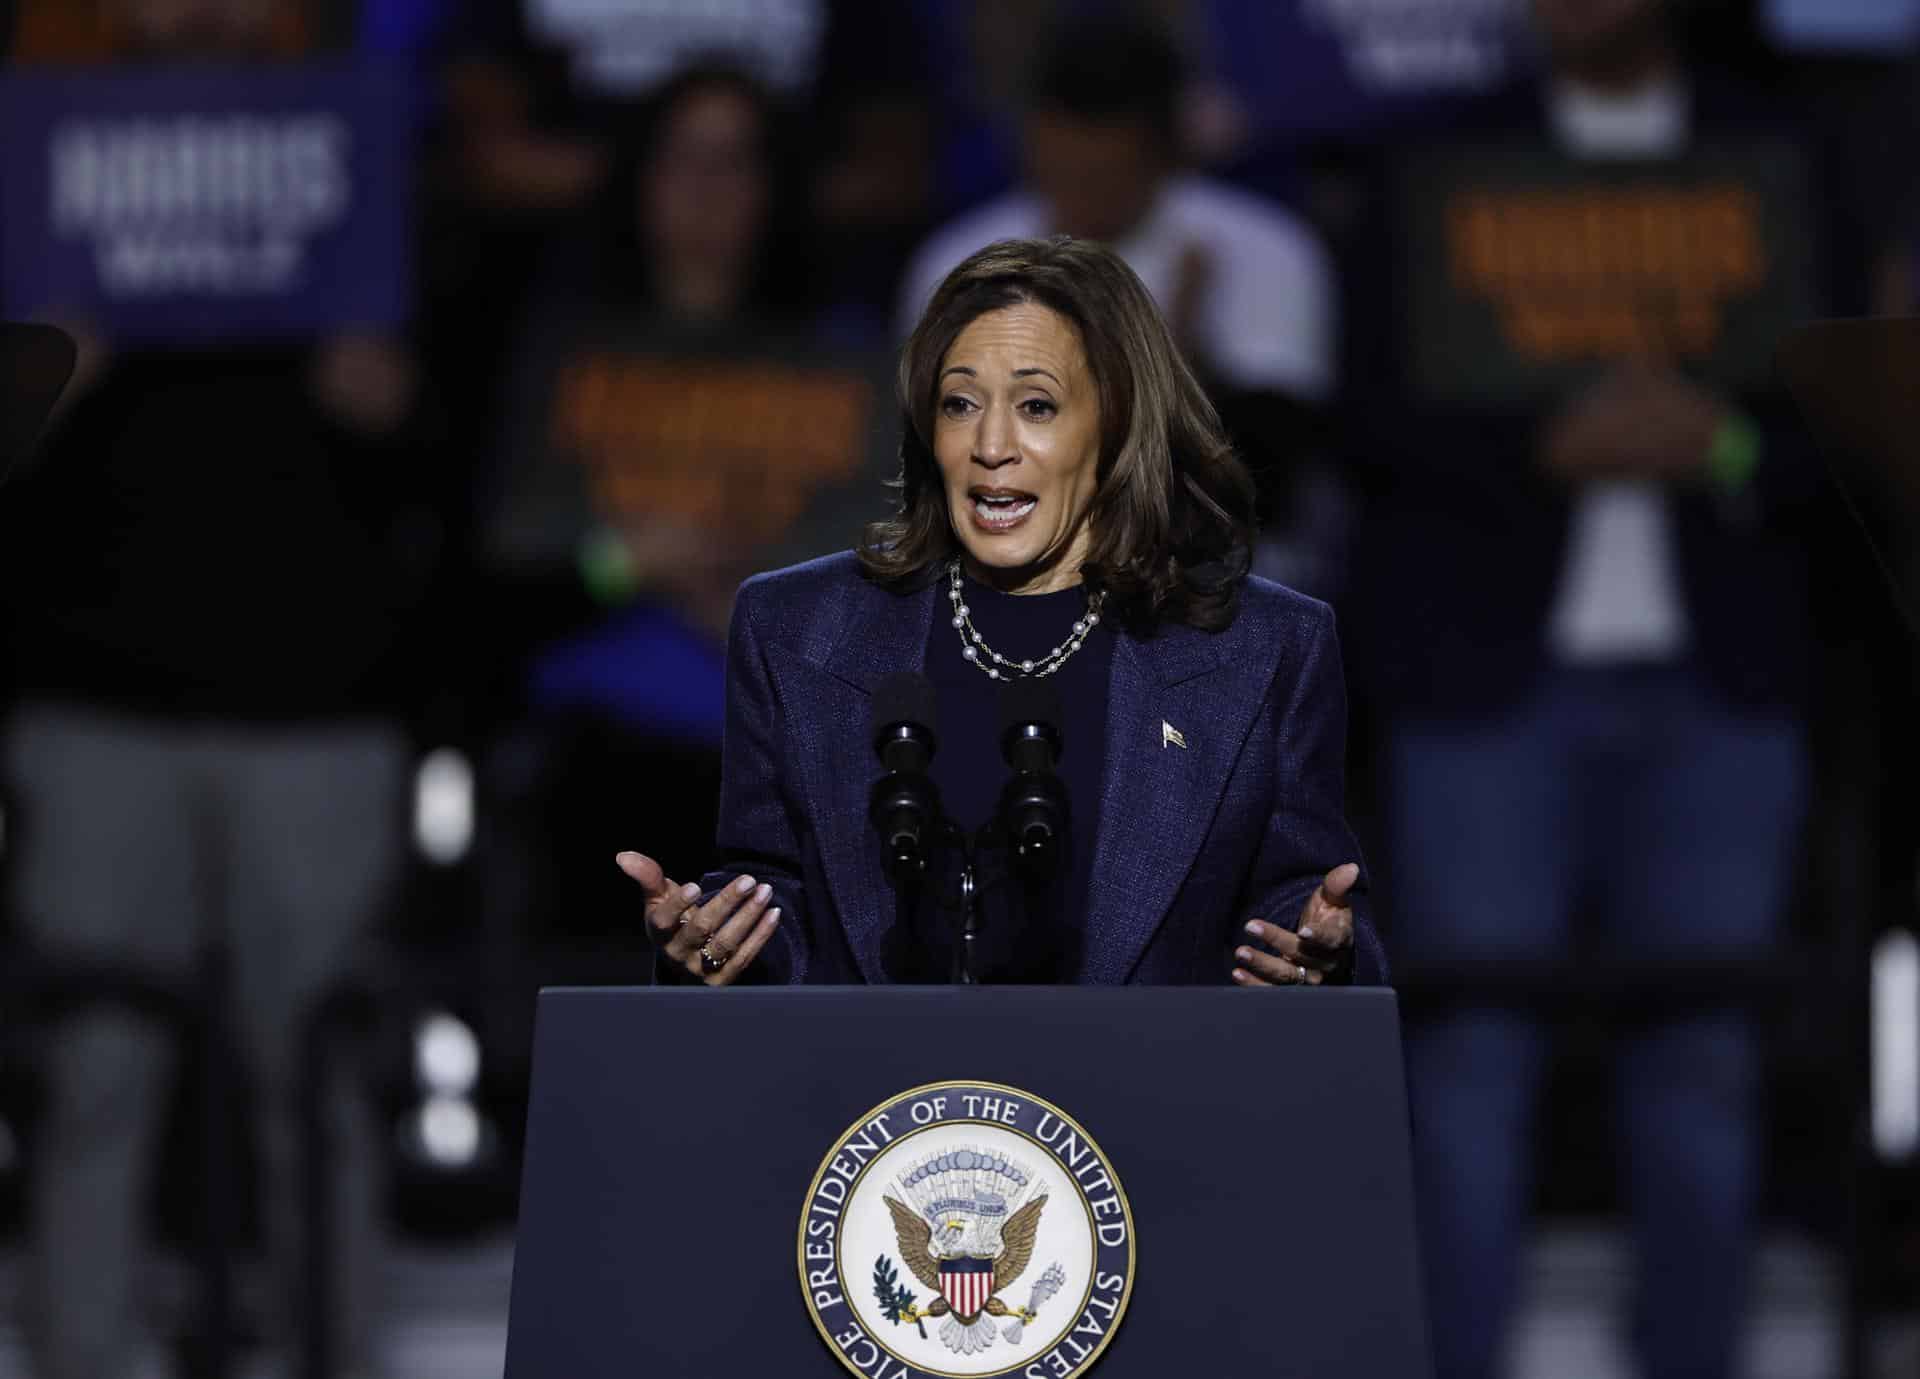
point(1319, 949)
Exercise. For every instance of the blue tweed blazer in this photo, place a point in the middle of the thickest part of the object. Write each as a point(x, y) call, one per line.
point(1245, 821)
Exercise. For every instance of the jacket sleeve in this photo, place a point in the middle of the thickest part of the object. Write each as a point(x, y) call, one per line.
point(756, 834)
point(1307, 834)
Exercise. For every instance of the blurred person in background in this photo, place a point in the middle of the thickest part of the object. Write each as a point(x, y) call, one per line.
point(978, 66)
point(679, 265)
point(1246, 286)
point(539, 98)
point(674, 427)
point(1587, 620)
point(205, 583)
point(874, 179)
point(542, 101)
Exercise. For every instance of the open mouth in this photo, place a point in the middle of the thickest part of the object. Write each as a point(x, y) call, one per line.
point(999, 510)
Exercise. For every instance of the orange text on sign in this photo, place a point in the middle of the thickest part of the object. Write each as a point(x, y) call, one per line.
point(1608, 272)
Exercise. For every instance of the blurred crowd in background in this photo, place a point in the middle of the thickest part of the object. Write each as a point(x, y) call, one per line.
point(446, 364)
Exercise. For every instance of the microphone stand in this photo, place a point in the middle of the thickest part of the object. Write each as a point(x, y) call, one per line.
point(907, 870)
point(966, 906)
point(969, 921)
point(984, 867)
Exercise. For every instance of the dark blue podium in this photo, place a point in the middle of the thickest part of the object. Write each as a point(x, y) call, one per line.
point(673, 1135)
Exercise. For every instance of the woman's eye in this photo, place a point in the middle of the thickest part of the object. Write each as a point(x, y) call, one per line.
point(1039, 408)
point(954, 406)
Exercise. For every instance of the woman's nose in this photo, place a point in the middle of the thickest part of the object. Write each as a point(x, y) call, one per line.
point(993, 439)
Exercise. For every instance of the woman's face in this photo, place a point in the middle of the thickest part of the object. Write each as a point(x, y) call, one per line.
point(1016, 433)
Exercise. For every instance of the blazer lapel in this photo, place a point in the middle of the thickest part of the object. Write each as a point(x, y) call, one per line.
point(885, 633)
point(1176, 718)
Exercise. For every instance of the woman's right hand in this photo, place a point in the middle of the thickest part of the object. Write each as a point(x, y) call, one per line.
point(733, 926)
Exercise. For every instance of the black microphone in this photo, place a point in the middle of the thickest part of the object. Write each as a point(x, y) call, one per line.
point(1033, 807)
point(904, 805)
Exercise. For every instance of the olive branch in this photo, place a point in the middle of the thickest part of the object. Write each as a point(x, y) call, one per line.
point(895, 1301)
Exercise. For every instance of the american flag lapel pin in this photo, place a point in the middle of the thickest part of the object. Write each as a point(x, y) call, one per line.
point(1171, 736)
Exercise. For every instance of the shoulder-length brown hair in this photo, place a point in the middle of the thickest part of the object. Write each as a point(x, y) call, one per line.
point(1171, 521)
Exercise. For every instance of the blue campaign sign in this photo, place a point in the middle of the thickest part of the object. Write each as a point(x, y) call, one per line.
point(198, 204)
point(1844, 25)
point(1322, 67)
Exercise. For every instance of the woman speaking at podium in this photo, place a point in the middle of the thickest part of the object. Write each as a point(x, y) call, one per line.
point(1069, 512)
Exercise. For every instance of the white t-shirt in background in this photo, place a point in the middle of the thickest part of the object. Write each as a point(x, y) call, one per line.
point(1619, 597)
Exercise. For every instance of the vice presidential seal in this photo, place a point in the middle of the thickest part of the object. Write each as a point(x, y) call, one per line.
point(966, 1229)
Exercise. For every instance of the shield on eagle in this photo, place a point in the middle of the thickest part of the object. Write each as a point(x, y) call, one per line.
point(970, 1230)
point(966, 1284)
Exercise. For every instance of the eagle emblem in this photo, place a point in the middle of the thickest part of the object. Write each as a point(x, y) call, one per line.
point(966, 1221)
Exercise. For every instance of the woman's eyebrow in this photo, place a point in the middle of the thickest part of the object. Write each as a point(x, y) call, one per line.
point(1017, 373)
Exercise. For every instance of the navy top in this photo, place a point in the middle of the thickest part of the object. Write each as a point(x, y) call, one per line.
point(1020, 936)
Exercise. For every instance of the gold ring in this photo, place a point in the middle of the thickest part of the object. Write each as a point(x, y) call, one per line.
point(710, 961)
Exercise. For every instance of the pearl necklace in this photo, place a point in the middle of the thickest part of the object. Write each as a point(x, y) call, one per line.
point(974, 647)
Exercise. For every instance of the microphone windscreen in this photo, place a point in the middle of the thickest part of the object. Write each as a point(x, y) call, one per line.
point(904, 698)
point(1031, 700)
